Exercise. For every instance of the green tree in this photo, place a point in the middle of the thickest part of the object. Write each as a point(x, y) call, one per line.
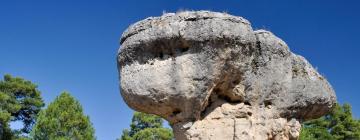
point(63, 119)
point(20, 100)
point(339, 124)
point(146, 127)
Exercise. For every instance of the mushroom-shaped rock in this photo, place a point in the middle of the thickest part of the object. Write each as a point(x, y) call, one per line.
point(212, 77)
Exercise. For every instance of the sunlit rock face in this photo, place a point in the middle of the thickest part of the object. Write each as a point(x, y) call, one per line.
point(213, 77)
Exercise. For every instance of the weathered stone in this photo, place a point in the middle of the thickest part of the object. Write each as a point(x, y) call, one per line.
point(212, 77)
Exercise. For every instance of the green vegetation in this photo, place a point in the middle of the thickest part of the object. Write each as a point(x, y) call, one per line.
point(20, 100)
point(146, 127)
point(339, 124)
point(63, 120)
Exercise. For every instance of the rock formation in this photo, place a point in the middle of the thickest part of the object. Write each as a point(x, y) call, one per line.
point(213, 77)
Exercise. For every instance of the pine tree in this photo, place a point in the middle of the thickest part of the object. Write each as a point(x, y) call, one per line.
point(146, 127)
point(20, 100)
point(63, 120)
point(338, 125)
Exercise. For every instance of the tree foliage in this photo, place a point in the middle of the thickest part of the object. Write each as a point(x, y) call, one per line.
point(63, 119)
point(146, 127)
point(339, 124)
point(20, 100)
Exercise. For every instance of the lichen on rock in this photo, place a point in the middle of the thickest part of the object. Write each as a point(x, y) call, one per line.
point(213, 77)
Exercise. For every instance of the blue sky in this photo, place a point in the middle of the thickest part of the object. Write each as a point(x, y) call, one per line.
point(71, 45)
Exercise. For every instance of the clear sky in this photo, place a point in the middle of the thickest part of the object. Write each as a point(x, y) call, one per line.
point(71, 45)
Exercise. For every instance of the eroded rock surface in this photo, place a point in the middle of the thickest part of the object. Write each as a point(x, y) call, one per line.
point(212, 77)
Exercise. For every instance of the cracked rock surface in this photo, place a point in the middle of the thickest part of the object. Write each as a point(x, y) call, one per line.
point(213, 77)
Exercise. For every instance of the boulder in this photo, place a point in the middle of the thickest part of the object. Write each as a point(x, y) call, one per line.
point(213, 77)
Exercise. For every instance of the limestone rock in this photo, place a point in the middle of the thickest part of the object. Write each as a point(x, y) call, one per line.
point(213, 77)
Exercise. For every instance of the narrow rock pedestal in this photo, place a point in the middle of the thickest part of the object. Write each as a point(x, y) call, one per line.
point(238, 122)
